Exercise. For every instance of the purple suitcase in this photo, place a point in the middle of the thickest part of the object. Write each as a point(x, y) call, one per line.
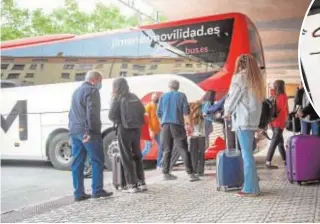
point(303, 158)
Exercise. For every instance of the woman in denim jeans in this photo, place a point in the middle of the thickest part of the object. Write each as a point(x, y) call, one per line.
point(243, 105)
point(208, 101)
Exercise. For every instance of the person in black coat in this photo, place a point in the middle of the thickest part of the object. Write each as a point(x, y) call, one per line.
point(309, 114)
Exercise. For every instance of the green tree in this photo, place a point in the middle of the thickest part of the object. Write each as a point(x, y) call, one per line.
point(14, 21)
point(19, 23)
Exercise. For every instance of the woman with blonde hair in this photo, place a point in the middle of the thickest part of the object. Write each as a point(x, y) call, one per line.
point(243, 106)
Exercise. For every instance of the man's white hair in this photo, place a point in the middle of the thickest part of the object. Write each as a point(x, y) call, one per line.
point(92, 74)
point(174, 85)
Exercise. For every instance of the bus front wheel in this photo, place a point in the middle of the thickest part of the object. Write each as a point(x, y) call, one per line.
point(110, 147)
point(60, 151)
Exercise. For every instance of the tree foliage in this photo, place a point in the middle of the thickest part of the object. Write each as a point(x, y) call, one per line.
point(20, 23)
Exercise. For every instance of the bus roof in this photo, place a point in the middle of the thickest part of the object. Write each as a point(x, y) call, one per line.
point(34, 41)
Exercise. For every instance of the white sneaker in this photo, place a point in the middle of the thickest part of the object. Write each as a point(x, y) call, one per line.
point(130, 189)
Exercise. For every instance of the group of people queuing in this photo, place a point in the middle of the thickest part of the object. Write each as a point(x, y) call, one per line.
point(170, 118)
point(127, 112)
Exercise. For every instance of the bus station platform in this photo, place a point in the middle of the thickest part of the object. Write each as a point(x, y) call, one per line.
point(184, 201)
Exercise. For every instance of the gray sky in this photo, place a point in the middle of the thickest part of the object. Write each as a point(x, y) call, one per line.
point(85, 5)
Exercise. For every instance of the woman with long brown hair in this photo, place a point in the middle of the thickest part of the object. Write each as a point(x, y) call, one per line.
point(279, 123)
point(243, 106)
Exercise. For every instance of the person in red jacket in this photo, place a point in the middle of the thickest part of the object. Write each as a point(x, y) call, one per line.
point(279, 123)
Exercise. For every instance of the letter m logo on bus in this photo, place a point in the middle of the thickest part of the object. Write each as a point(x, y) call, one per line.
point(19, 110)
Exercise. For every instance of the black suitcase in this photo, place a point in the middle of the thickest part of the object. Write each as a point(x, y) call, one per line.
point(197, 150)
point(118, 178)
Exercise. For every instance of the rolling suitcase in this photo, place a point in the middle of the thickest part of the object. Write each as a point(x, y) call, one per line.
point(197, 148)
point(229, 173)
point(303, 158)
point(118, 178)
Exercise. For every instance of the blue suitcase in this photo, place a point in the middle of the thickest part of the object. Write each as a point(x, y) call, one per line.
point(229, 171)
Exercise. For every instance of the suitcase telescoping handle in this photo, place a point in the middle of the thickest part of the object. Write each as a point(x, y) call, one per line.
point(293, 125)
point(227, 124)
point(296, 109)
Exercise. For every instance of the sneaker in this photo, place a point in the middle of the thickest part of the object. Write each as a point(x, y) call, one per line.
point(271, 167)
point(159, 169)
point(102, 194)
point(169, 176)
point(193, 177)
point(243, 194)
point(82, 198)
point(130, 189)
point(142, 186)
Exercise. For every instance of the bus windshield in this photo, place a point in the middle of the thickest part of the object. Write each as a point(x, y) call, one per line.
point(207, 42)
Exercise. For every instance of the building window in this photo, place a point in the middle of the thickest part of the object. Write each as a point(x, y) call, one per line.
point(177, 65)
point(13, 76)
point(189, 65)
point(80, 76)
point(29, 75)
point(139, 67)
point(150, 73)
point(198, 65)
point(123, 74)
point(135, 74)
point(4, 66)
point(33, 67)
point(18, 67)
point(102, 60)
point(84, 67)
point(153, 67)
point(65, 75)
point(124, 66)
point(68, 67)
point(156, 60)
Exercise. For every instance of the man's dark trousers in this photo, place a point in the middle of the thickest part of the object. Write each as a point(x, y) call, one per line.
point(94, 148)
point(174, 136)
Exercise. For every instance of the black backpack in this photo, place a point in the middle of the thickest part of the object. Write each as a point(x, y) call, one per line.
point(268, 113)
point(131, 111)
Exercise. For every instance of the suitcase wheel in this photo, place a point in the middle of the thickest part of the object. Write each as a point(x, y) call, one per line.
point(299, 183)
point(225, 188)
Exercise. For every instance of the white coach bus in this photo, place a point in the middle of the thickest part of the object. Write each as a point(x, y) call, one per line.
point(34, 119)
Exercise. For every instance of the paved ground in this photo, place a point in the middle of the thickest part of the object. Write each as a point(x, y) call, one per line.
point(33, 197)
point(24, 184)
point(182, 201)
